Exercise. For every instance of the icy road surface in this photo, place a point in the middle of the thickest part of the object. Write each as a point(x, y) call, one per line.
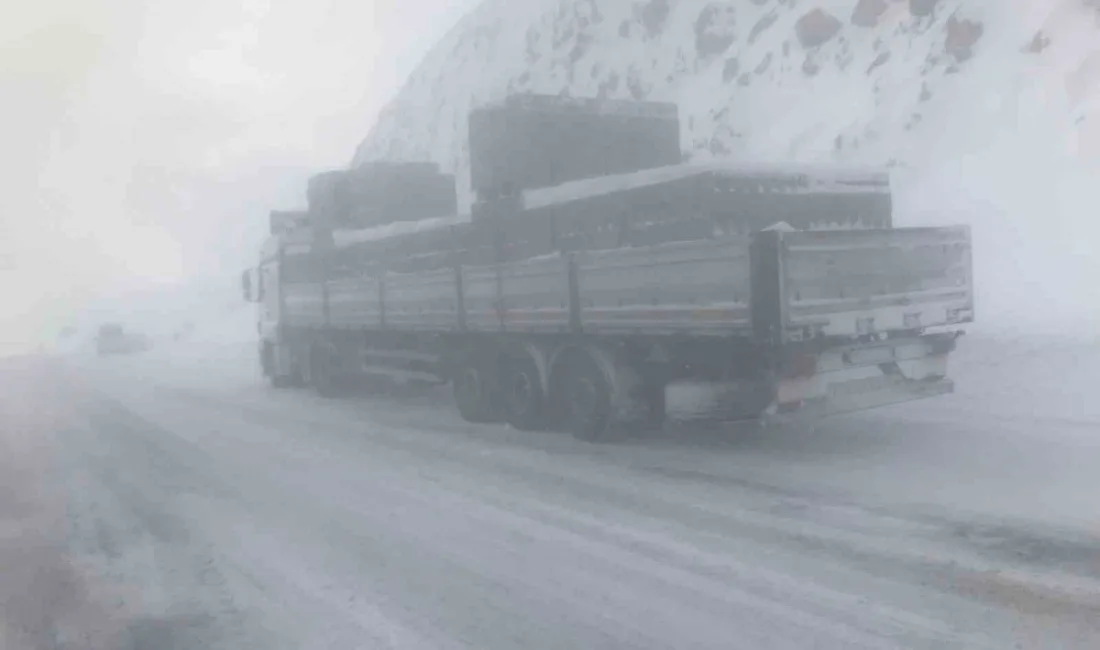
point(151, 502)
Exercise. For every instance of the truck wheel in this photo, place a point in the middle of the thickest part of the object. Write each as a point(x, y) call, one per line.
point(270, 367)
point(475, 395)
point(267, 360)
point(586, 396)
point(524, 395)
point(322, 372)
point(653, 387)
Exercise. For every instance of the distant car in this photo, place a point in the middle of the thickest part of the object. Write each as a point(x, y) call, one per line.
point(113, 339)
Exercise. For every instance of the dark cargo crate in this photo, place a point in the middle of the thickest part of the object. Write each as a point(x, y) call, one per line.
point(535, 141)
point(377, 200)
point(378, 193)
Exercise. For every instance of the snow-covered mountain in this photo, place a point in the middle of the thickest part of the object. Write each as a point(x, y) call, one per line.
point(989, 110)
point(774, 79)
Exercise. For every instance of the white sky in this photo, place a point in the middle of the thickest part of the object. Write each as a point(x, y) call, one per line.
point(144, 141)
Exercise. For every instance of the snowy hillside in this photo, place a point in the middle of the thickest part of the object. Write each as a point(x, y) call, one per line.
point(989, 111)
point(774, 79)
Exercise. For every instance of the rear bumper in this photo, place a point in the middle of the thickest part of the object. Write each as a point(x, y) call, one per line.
point(863, 397)
point(860, 377)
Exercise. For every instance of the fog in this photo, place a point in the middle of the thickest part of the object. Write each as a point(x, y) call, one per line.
point(144, 142)
point(594, 415)
point(1012, 167)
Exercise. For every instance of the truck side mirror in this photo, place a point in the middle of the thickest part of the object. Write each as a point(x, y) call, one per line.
point(246, 286)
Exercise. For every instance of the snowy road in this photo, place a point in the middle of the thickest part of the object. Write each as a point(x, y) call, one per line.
point(205, 510)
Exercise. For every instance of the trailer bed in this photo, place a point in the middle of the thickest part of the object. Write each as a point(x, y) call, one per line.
point(779, 286)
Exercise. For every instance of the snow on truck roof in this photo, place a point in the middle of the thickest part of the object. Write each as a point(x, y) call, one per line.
point(796, 179)
point(342, 238)
point(532, 102)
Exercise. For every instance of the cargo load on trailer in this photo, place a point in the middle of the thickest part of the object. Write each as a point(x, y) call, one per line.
point(688, 202)
point(530, 141)
point(376, 194)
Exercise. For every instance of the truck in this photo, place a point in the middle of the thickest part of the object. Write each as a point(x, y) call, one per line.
point(113, 339)
point(574, 305)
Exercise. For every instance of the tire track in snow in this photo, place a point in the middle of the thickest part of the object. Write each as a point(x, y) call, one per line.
point(513, 462)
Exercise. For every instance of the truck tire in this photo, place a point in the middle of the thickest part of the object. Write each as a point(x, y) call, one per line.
point(654, 385)
point(322, 371)
point(586, 399)
point(523, 394)
point(476, 395)
point(281, 381)
point(270, 368)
